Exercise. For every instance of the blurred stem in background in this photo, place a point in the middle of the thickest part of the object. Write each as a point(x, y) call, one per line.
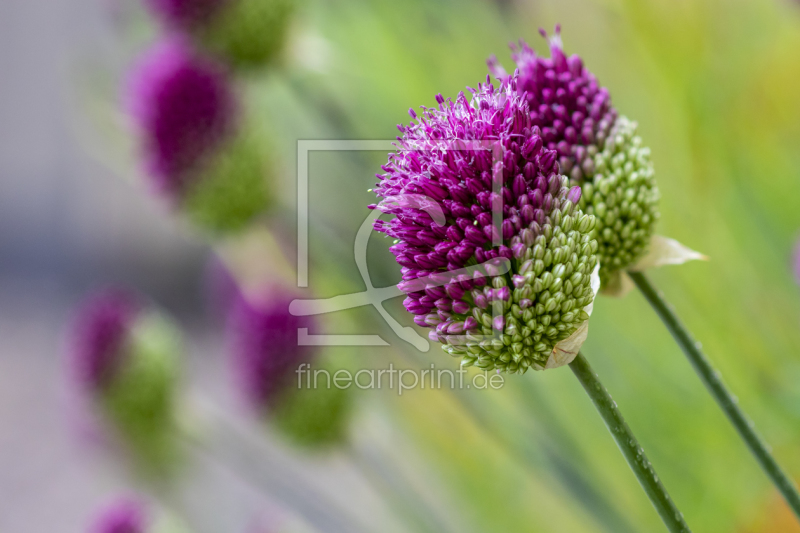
point(628, 445)
point(396, 491)
point(231, 447)
point(712, 379)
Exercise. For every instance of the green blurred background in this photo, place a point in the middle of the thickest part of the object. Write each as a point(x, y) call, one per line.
point(714, 87)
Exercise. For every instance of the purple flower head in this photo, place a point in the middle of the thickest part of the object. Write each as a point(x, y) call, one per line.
point(565, 101)
point(264, 346)
point(186, 14)
point(446, 193)
point(184, 107)
point(125, 516)
point(99, 336)
point(600, 151)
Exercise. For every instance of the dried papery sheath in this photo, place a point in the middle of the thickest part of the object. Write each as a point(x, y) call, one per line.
point(598, 149)
point(269, 363)
point(496, 258)
point(196, 151)
point(241, 33)
point(124, 357)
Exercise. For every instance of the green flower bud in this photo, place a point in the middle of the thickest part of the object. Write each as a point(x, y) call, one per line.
point(623, 196)
point(126, 358)
point(231, 189)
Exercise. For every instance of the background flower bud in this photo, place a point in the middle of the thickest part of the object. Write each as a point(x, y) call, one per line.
point(125, 357)
point(196, 151)
point(266, 357)
point(241, 33)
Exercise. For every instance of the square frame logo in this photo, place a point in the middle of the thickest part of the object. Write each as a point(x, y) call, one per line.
point(375, 296)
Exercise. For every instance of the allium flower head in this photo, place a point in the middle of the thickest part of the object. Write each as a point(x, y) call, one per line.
point(185, 110)
point(124, 358)
point(240, 33)
point(100, 336)
point(510, 321)
point(125, 516)
point(266, 356)
point(265, 347)
point(598, 149)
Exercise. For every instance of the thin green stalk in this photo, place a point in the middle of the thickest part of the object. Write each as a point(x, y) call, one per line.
point(629, 446)
point(713, 382)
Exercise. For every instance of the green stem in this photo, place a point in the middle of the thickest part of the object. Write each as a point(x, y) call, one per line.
point(713, 381)
point(629, 446)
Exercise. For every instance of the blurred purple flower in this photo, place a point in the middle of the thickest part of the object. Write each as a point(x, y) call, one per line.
point(565, 100)
point(99, 334)
point(185, 14)
point(125, 516)
point(184, 107)
point(264, 346)
point(598, 149)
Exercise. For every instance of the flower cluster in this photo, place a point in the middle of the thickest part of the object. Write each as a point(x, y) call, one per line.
point(124, 356)
point(242, 33)
point(187, 115)
point(100, 338)
point(598, 149)
point(185, 107)
point(266, 354)
point(461, 205)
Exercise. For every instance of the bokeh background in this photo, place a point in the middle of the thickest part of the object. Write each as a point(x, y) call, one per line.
point(713, 85)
